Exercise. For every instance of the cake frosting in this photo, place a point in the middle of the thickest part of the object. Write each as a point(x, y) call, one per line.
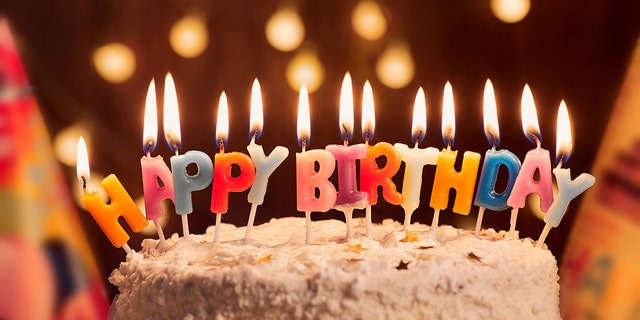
point(446, 274)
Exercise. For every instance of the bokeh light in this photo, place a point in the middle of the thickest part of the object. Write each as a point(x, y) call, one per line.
point(305, 68)
point(368, 20)
point(114, 62)
point(285, 30)
point(150, 229)
point(510, 11)
point(395, 67)
point(189, 36)
point(66, 141)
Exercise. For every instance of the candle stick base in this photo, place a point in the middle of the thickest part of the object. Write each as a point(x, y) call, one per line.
point(407, 219)
point(348, 217)
point(185, 225)
point(368, 218)
point(309, 239)
point(434, 222)
point(162, 243)
point(126, 248)
point(543, 235)
point(252, 218)
point(476, 233)
point(216, 237)
point(514, 218)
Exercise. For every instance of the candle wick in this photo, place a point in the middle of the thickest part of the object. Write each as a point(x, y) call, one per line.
point(84, 184)
point(304, 144)
point(221, 145)
point(346, 140)
point(415, 145)
point(148, 153)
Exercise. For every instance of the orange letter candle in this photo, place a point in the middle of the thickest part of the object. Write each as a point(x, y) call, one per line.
point(447, 178)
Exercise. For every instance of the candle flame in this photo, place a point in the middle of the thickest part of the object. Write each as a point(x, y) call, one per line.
point(304, 121)
point(491, 127)
point(346, 109)
point(368, 113)
point(256, 117)
point(171, 119)
point(448, 116)
point(530, 117)
point(82, 163)
point(222, 123)
point(563, 136)
point(150, 129)
point(419, 124)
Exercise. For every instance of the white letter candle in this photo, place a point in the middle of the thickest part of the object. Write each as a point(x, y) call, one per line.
point(371, 176)
point(223, 181)
point(307, 178)
point(486, 195)
point(415, 158)
point(154, 169)
point(348, 197)
point(536, 159)
point(567, 189)
point(265, 165)
point(446, 176)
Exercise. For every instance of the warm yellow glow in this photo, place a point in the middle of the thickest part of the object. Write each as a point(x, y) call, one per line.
point(368, 20)
point(66, 143)
point(368, 111)
point(256, 117)
point(491, 127)
point(222, 122)
point(419, 123)
point(150, 129)
point(82, 162)
point(114, 62)
point(305, 68)
point(395, 67)
point(563, 136)
point(304, 117)
point(345, 119)
point(189, 36)
point(150, 229)
point(285, 30)
point(510, 11)
point(529, 116)
point(171, 118)
point(448, 115)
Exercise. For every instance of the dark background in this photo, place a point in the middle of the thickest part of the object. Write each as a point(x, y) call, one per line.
point(572, 50)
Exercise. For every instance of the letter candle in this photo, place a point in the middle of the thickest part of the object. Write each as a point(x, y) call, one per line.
point(223, 180)
point(567, 189)
point(415, 158)
point(183, 183)
point(106, 215)
point(371, 176)
point(154, 168)
point(307, 178)
point(486, 195)
point(348, 196)
point(265, 165)
point(536, 159)
point(446, 176)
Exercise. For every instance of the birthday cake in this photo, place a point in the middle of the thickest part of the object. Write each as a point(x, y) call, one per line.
point(449, 274)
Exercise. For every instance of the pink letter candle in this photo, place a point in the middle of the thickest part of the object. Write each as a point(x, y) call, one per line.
point(536, 160)
point(446, 176)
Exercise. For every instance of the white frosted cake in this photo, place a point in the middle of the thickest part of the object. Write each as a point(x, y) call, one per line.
point(449, 275)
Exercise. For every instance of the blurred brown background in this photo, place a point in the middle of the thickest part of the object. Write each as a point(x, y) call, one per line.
point(572, 50)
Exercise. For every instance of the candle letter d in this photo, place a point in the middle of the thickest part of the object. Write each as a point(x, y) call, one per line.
point(308, 179)
point(486, 196)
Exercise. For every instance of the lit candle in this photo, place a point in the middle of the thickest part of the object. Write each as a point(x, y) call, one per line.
point(567, 189)
point(372, 176)
point(265, 165)
point(223, 181)
point(348, 197)
point(106, 215)
point(154, 169)
point(446, 177)
point(307, 178)
point(415, 158)
point(535, 160)
point(183, 182)
point(486, 195)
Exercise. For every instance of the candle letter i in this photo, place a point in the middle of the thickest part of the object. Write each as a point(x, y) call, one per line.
point(348, 197)
point(446, 176)
point(223, 180)
point(265, 165)
point(307, 178)
point(535, 160)
point(371, 176)
point(183, 182)
point(567, 189)
point(486, 196)
point(106, 215)
point(415, 158)
point(154, 169)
